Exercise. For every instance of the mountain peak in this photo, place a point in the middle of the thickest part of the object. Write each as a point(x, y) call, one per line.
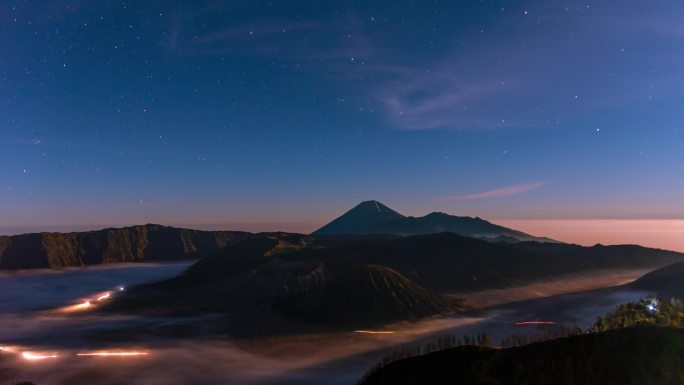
point(360, 219)
point(372, 217)
point(372, 205)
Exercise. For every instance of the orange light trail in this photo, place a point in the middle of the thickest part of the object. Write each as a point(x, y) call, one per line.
point(534, 323)
point(116, 354)
point(83, 305)
point(375, 331)
point(78, 307)
point(36, 356)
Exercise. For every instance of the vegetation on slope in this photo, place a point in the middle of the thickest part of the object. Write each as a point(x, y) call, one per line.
point(627, 356)
point(649, 311)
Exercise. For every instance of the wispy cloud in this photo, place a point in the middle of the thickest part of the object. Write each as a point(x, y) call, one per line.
point(443, 98)
point(499, 192)
point(490, 80)
point(503, 83)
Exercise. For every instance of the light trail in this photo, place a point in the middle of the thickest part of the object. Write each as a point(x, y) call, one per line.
point(104, 296)
point(83, 305)
point(534, 323)
point(37, 356)
point(115, 354)
point(92, 301)
point(375, 331)
point(76, 308)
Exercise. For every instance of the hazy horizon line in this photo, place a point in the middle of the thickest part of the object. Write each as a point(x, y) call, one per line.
point(273, 226)
point(653, 232)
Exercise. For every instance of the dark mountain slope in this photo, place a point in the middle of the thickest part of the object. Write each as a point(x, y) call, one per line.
point(247, 273)
point(449, 262)
point(366, 295)
point(128, 244)
point(362, 219)
point(634, 356)
point(629, 255)
point(372, 217)
point(444, 262)
point(476, 227)
point(320, 279)
point(667, 281)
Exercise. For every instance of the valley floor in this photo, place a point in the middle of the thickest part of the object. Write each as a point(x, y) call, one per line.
point(316, 358)
point(573, 283)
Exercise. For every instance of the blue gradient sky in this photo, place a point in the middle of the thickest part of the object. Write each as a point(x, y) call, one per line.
point(268, 115)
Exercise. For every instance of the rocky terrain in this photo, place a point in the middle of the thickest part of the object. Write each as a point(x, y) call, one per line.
point(367, 295)
point(129, 244)
point(279, 277)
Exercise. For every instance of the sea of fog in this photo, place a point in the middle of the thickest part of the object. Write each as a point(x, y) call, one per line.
point(48, 336)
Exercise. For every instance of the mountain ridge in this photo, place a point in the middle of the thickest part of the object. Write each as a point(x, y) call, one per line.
point(667, 281)
point(282, 268)
point(148, 242)
point(373, 217)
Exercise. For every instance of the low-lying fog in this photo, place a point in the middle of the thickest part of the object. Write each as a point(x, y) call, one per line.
point(47, 335)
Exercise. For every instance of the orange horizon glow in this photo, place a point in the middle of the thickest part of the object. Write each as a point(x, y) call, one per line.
point(656, 233)
point(375, 331)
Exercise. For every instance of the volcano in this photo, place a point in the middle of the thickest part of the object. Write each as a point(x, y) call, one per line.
point(367, 295)
point(374, 218)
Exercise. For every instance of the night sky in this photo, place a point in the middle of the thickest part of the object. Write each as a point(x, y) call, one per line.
point(264, 115)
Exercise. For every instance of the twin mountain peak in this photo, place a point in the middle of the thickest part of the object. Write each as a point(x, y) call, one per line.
point(155, 242)
point(373, 217)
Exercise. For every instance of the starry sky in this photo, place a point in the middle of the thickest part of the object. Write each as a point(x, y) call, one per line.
point(283, 114)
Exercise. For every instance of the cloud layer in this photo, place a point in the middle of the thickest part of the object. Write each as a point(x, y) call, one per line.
point(499, 192)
